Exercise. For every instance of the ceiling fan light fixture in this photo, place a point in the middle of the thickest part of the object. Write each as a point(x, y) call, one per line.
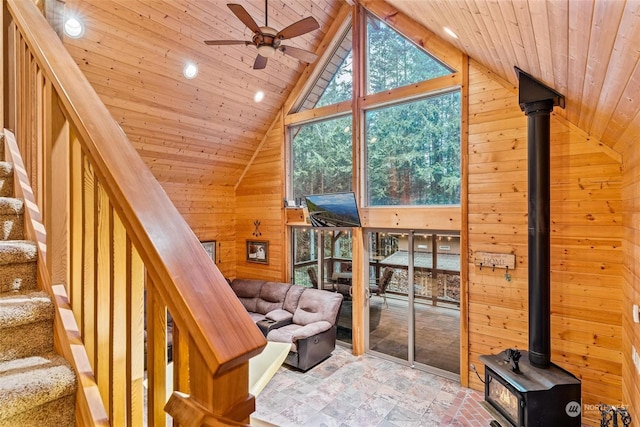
point(266, 50)
point(267, 39)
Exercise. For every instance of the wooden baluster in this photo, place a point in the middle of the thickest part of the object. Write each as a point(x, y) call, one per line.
point(135, 336)
point(89, 257)
point(156, 356)
point(76, 238)
point(119, 348)
point(102, 319)
point(180, 361)
point(54, 166)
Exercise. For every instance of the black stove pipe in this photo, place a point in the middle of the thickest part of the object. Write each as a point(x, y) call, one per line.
point(537, 101)
point(538, 148)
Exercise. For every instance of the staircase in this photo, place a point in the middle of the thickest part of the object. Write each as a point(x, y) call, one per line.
point(37, 386)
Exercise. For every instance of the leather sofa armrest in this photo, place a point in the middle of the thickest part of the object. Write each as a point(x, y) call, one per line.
point(311, 329)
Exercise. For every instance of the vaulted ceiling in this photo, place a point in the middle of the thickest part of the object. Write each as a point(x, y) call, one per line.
point(207, 129)
point(588, 50)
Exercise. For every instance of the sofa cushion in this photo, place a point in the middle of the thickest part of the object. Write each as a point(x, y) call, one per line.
point(272, 296)
point(256, 317)
point(315, 305)
point(292, 298)
point(248, 292)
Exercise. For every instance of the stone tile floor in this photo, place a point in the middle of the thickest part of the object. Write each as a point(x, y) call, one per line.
point(367, 391)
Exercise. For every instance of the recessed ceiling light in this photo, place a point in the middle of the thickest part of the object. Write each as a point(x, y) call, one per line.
point(450, 32)
point(190, 71)
point(73, 28)
point(259, 96)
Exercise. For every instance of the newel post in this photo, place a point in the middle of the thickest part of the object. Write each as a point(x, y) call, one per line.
point(223, 397)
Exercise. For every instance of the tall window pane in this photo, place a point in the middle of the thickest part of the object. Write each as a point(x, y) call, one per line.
point(413, 152)
point(322, 157)
point(305, 255)
point(339, 88)
point(333, 85)
point(393, 61)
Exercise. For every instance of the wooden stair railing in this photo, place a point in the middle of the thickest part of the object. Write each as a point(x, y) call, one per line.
point(112, 235)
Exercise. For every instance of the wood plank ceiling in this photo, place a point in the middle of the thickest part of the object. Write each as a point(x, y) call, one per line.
point(206, 130)
point(588, 50)
point(201, 131)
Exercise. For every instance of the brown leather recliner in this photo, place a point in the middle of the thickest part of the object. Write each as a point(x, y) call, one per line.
point(313, 330)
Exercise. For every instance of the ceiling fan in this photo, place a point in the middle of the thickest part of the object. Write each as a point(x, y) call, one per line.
point(267, 39)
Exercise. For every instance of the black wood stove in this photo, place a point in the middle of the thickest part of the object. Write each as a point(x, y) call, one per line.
point(531, 396)
point(525, 387)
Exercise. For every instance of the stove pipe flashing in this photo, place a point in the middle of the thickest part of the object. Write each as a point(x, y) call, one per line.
point(537, 102)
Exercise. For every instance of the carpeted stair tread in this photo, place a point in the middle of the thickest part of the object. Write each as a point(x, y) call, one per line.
point(17, 252)
point(18, 308)
point(6, 169)
point(6, 179)
point(11, 206)
point(26, 324)
point(11, 218)
point(32, 382)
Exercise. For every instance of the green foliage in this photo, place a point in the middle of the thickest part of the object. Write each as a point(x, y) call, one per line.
point(322, 157)
point(412, 149)
point(393, 61)
point(413, 152)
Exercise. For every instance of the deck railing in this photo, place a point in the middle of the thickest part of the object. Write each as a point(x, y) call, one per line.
point(112, 237)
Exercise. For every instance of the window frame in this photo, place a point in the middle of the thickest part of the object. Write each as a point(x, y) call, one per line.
point(362, 102)
point(364, 199)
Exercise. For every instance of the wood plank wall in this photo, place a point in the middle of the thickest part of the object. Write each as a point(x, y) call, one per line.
point(586, 242)
point(631, 274)
point(210, 211)
point(259, 197)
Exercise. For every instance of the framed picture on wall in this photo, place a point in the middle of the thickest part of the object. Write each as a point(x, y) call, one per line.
point(258, 251)
point(210, 248)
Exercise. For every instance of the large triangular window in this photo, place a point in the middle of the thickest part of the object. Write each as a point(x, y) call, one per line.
point(334, 83)
point(393, 61)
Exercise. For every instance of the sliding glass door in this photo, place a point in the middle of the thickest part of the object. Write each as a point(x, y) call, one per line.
point(414, 284)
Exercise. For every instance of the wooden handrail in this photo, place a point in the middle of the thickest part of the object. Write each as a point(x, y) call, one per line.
point(132, 219)
point(170, 250)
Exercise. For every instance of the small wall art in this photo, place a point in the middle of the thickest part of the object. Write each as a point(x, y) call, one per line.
point(210, 248)
point(258, 251)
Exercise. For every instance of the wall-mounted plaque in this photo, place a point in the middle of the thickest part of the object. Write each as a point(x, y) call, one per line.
point(495, 260)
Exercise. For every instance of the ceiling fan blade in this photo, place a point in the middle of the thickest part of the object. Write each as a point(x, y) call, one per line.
point(244, 16)
point(299, 28)
point(261, 62)
point(226, 42)
point(301, 54)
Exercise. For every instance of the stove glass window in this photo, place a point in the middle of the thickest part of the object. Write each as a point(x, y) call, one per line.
point(500, 396)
